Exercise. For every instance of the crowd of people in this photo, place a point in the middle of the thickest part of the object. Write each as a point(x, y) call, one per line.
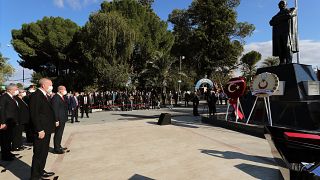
point(39, 113)
point(135, 100)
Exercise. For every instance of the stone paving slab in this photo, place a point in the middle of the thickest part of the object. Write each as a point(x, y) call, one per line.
point(121, 148)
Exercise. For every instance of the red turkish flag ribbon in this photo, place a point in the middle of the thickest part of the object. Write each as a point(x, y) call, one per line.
point(240, 115)
point(235, 87)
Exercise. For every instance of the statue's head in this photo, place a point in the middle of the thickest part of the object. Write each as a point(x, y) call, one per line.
point(282, 4)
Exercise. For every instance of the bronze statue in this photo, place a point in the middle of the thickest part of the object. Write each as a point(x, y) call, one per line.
point(284, 33)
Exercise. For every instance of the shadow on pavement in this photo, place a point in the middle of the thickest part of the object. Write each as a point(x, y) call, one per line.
point(237, 155)
point(136, 116)
point(260, 172)
point(17, 167)
point(142, 117)
point(139, 177)
point(175, 124)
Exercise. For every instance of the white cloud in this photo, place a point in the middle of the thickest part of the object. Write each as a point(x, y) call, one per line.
point(308, 51)
point(75, 4)
point(59, 3)
point(87, 2)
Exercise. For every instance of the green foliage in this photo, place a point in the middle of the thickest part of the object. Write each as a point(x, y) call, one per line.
point(146, 3)
point(107, 45)
point(6, 70)
point(43, 46)
point(159, 71)
point(151, 34)
point(270, 61)
point(107, 37)
point(208, 34)
point(248, 62)
point(221, 76)
point(120, 41)
point(113, 77)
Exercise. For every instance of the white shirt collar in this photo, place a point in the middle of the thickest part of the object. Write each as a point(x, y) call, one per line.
point(44, 93)
point(9, 94)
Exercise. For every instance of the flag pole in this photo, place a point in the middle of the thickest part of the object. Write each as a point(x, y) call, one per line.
point(296, 9)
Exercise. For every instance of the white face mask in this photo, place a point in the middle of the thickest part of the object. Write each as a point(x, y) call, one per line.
point(32, 90)
point(64, 93)
point(16, 92)
point(23, 94)
point(50, 89)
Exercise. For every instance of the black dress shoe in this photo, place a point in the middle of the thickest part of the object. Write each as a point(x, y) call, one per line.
point(77, 121)
point(47, 174)
point(64, 148)
point(58, 151)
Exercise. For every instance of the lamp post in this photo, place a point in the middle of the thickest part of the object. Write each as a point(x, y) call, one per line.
point(179, 81)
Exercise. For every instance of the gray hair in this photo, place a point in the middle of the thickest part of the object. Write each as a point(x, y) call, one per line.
point(11, 86)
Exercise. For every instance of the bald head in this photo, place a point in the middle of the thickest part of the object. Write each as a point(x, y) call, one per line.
point(62, 90)
point(46, 85)
point(44, 81)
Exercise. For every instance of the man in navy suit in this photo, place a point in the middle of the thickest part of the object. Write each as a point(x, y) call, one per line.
point(74, 106)
point(9, 118)
point(44, 123)
point(60, 107)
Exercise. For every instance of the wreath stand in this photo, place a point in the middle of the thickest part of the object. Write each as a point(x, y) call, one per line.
point(238, 106)
point(267, 106)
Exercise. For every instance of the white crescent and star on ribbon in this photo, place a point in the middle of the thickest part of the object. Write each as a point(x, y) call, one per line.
point(231, 83)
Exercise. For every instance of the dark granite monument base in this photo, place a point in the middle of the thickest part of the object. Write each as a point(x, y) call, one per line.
point(290, 153)
point(250, 129)
point(294, 109)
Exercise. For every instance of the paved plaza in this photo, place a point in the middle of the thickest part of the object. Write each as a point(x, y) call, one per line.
point(117, 145)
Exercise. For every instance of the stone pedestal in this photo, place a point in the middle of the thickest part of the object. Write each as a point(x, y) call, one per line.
point(296, 108)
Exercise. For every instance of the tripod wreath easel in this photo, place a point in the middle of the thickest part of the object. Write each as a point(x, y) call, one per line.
point(267, 106)
point(237, 109)
point(263, 86)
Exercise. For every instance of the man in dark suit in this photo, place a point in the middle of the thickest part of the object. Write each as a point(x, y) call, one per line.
point(60, 108)
point(24, 119)
point(195, 101)
point(84, 104)
point(29, 127)
point(43, 119)
point(74, 106)
point(212, 100)
point(9, 115)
